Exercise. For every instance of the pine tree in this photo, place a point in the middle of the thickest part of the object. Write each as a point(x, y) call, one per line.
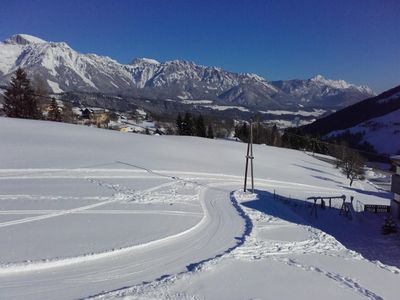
point(210, 132)
point(275, 136)
point(242, 132)
point(187, 125)
point(179, 124)
point(389, 226)
point(54, 111)
point(200, 127)
point(20, 101)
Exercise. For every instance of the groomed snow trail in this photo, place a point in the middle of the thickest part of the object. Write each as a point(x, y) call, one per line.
point(271, 253)
point(62, 170)
point(85, 276)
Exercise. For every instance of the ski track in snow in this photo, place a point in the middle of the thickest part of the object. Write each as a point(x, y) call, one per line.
point(32, 266)
point(342, 281)
point(254, 248)
point(246, 247)
point(251, 249)
point(122, 194)
point(318, 242)
point(102, 211)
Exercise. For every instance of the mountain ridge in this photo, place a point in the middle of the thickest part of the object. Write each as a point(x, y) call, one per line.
point(65, 70)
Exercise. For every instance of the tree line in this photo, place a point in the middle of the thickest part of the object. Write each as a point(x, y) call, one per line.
point(348, 160)
point(193, 126)
point(262, 134)
point(21, 100)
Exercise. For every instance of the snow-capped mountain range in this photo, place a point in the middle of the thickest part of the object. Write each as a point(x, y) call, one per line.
point(65, 70)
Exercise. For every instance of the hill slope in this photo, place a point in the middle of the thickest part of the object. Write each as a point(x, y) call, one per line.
point(85, 211)
point(382, 111)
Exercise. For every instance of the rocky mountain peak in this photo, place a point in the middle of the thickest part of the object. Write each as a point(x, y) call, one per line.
point(144, 60)
point(23, 39)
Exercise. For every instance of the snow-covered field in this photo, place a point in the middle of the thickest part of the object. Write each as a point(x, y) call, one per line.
point(93, 212)
point(304, 113)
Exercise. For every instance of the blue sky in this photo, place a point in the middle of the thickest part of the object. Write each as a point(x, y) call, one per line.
point(358, 41)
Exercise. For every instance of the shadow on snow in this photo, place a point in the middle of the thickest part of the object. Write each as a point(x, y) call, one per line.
point(362, 233)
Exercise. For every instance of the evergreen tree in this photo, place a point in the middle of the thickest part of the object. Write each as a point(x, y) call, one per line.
point(242, 132)
point(275, 136)
point(187, 124)
point(20, 101)
point(389, 226)
point(200, 127)
point(210, 132)
point(54, 111)
point(295, 139)
point(179, 124)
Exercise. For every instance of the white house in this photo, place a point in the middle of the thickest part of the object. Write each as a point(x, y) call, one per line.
point(395, 203)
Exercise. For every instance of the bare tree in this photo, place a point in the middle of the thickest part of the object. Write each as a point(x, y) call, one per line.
point(340, 152)
point(68, 115)
point(54, 113)
point(41, 91)
point(352, 166)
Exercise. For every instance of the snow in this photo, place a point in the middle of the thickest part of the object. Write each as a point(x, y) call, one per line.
point(293, 123)
point(93, 212)
point(315, 112)
point(225, 107)
point(141, 112)
point(280, 258)
point(23, 39)
point(150, 61)
point(54, 86)
point(9, 54)
point(197, 101)
point(58, 60)
point(340, 84)
point(381, 132)
point(388, 99)
point(90, 72)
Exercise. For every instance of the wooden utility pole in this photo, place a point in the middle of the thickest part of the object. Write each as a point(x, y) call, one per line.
point(250, 156)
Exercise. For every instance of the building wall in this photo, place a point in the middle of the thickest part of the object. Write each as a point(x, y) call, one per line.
point(395, 203)
point(395, 207)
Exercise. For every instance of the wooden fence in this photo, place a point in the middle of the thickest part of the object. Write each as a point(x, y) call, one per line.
point(376, 208)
